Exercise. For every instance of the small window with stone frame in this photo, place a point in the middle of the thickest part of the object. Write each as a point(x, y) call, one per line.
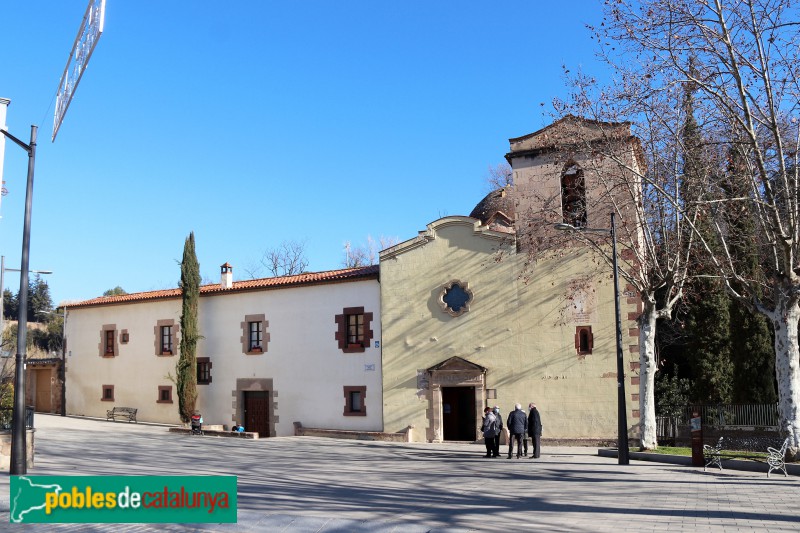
point(109, 341)
point(166, 340)
point(203, 371)
point(584, 340)
point(108, 393)
point(354, 397)
point(164, 394)
point(355, 329)
point(573, 196)
point(255, 336)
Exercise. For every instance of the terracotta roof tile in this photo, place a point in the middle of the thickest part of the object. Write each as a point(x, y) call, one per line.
point(308, 278)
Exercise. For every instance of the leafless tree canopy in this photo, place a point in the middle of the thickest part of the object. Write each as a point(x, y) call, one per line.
point(741, 60)
point(736, 62)
point(367, 254)
point(499, 176)
point(287, 259)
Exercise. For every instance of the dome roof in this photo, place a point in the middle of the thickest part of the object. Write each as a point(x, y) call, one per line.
point(496, 210)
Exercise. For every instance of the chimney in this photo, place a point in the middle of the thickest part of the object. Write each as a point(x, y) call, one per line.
point(226, 279)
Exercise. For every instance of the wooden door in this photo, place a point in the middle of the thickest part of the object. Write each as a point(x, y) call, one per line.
point(458, 413)
point(256, 412)
point(43, 388)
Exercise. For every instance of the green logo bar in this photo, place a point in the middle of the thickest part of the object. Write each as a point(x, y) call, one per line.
point(123, 499)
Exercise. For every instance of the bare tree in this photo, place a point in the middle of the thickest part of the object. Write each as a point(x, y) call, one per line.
point(741, 58)
point(287, 259)
point(367, 254)
point(499, 176)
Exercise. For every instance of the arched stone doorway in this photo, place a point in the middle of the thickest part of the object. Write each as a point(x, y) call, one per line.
point(456, 396)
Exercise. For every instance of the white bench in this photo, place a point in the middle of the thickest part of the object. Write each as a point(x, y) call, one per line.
point(713, 455)
point(122, 412)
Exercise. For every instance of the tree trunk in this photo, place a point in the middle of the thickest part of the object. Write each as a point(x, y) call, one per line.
point(787, 371)
point(647, 376)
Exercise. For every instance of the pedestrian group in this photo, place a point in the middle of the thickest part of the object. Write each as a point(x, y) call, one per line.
point(519, 427)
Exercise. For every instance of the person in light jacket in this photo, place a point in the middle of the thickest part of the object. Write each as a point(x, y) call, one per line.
point(517, 424)
point(489, 430)
point(535, 430)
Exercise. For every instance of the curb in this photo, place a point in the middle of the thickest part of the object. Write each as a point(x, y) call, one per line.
point(728, 464)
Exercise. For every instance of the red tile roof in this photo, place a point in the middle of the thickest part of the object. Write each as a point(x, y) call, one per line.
point(280, 282)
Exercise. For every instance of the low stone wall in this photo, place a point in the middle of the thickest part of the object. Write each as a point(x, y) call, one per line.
point(301, 431)
point(591, 443)
point(5, 448)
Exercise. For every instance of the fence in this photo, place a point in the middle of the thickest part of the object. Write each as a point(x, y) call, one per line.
point(726, 415)
point(7, 414)
point(717, 419)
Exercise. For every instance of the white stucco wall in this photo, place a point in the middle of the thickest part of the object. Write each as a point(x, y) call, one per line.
point(302, 358)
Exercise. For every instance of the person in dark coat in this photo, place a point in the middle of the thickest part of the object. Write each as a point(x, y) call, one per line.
point(535, 430)
point(489, 430)
point(517, 424)
point(496, 411)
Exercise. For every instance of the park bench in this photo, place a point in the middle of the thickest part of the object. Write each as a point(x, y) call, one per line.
point(128, 413)
point(775, 458)
point(712, 455)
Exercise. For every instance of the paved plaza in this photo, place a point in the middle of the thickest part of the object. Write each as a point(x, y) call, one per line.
point(307, 484)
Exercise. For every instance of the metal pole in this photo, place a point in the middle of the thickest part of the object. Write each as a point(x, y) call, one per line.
point(2, 296)
point(622, 417)
point(19, 459)
point(64, 364)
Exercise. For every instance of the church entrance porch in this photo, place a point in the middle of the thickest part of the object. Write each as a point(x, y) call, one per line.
point(456, 394)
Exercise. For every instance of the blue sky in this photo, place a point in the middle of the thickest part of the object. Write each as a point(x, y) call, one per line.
point(255, 122)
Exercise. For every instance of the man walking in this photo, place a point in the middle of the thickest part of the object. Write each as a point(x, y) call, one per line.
point(535, 430)
point(517, 424)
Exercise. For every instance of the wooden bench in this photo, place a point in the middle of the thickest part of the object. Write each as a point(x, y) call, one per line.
point(775, 459)
point(128, 413)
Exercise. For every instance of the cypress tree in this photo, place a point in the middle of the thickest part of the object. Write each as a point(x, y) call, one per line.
point(752, 350)
point(186, 368)
point(708, 313)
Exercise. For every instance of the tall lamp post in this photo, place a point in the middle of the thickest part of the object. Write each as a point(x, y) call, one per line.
point(622, 417)
point(19, 459)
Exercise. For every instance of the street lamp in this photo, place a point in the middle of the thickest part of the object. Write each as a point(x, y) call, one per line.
point(622, 417)
point(19, 459)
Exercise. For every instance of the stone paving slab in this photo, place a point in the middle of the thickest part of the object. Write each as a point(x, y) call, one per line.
point(299, 484)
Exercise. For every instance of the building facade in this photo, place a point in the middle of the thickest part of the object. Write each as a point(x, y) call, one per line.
point(273, 351)
point(500, 308)
point(495, 308)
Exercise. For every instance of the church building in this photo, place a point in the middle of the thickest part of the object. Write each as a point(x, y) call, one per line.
point(500, 308)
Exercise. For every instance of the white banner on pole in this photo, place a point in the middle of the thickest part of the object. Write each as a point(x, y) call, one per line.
point(88, 35)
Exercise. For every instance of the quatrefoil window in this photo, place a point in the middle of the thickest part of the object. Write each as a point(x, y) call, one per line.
point(455, 298)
